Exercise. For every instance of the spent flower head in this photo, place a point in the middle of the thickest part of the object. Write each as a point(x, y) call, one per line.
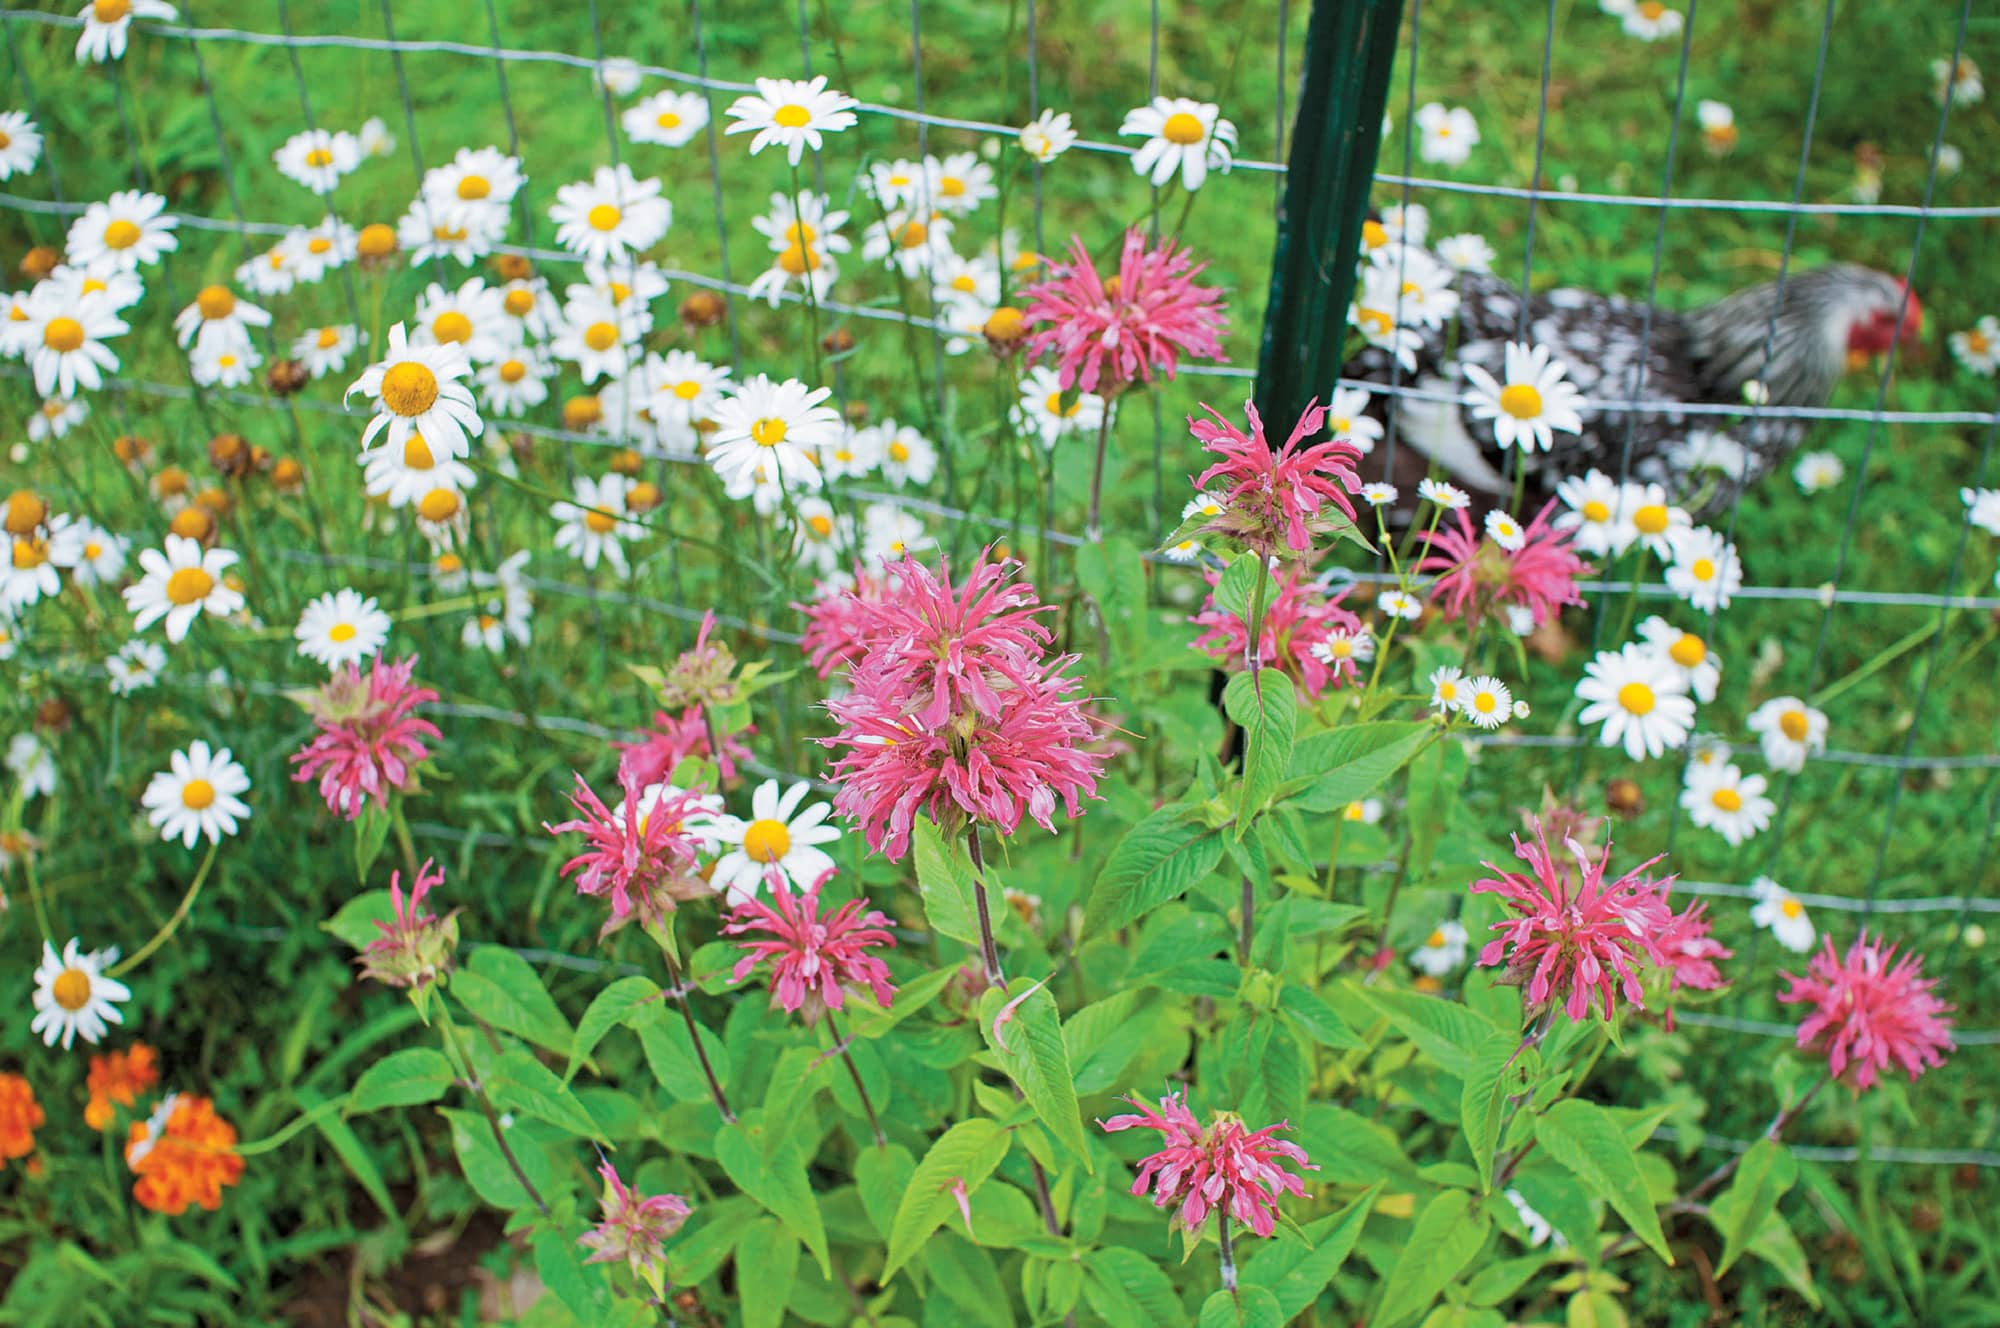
point(634, 1229)
point(415, 949)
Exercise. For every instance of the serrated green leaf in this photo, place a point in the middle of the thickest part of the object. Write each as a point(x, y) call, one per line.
point(964, 1275)
point(607, 1010)
point(670, 1054)
point(1767, 1171)
point(1447, 1234)
point(1247, 1307)
point(1157, 861)
point(882, 1177)
point(580, 1286)
point(486, 1168)
point(1448, 1033)
point(1776, 1245)
point(1581, 1137)
point(354, 1155)
point(407, 1078)
point(1128, 1290)
point(1500, 1069)
point(1593, 1308)
point(944, 878)
point(502, 989)
point(775, 1176)
point(521, 1084)
point(967, 1153)
point(1268, 710)
point(354, 924)
point(1030, 1046)
point(1343, 765)
point(767, 1263)
point(1320, 1020)
point(709, 1238)
point(1296, 1273)
point(1238, 580)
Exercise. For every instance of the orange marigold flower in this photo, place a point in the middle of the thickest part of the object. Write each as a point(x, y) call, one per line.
point(117, 1079)
point(20, 1117)
point(183, 1154)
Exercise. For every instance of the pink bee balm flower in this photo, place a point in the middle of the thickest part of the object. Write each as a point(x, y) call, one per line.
point(1108, 332)
point(674, 739)
point(1870, 1008)
point(1276, 496)
point(1477, 576)
point(645, 856)
point(1298, 618)
point(812, 957)
point(1690, 953)
point(1223, 1168)
point(634, 1229)
point(415, 947)
point(368, 740)
point(1575, 938)
point(838, 619)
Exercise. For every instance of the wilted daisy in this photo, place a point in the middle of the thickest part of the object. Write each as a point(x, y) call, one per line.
point(128, 230)
point(1718, 126)
point(1532, 402)
point(1042, 407)
point(1466, 252)
point(32, 765)
point(1699, 666)
point(1400, 604)
point(179, 585)
point(1704, 570)
point(1448, 496)
point(1642, 702)
point(1047, 136)
point(1723, 799)
point(780, 841)
point(1817, 472)
point(595, 526)
point(416, 390)
point(218, 320)
point(1779, 911)
point(317, 159)
point(790, 114)
point(73, 997)
point(1978, 346)
point(478, 177)
point(1960, 82)
point(611, 215)
point(21, 146)
point(105, 23)
point(199, 793)
point(779, 425)
point(959, 183)
point(324, 350)
point(669, 119)
point(341, 627)
point(1442, 950)
point(1789, 731)
point(55, 417)
point(137, 665)
point(1448, 134)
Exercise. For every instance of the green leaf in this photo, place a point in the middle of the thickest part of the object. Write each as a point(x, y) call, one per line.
point(580, 1286)
point(882, 1176)
point(1594, 1308)
point(670, 1052)
point(354, 925)
point(501, 989)
point(966, 1153)
point(521, 1084)
point(777, 1181)
point(608, 1009)
point(1037, 1060)
point(1448, 1033)
point(1319, 1019)
point(486, 1168)
point(371, 832)
point(354, 1155)
point(945, 880)
point(767, 1263)
point(1582, 1137)
point(1767, 1171)
point(1500, 1069)
point(1268, 710)
point(1158, 860)
point(1776, 1245)
point(1448, 1233)
point(708, 1238)
point(964, 1275)
point(1128, 1290)
point(1343, 765)
point(1232, 591)
point(406, 1078)
point(1296, 1273)
point(1248, 1307)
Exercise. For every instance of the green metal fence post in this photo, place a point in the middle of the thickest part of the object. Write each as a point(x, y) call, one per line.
point(1350, 55)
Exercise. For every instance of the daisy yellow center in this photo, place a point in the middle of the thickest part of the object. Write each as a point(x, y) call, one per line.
point(1651, 519)
point(821, 525)
point(791, 116)
point(599, 522)
point(72, 986)
point(1447, 691)
point(1506, 529)
point(1443, 131)
point(319, 157)
point(600, 336)
point(448, 563)
point(474, 187)
point(963, 282)
point(1728, 799)
point(1689, 651)
point(1026, 259)
point(667, 120)
point(951, 186)
point(30, 553)
point(1790, 907)
point(328, 338)
point(1977, 343)
point(93, 551)
point(912, 234)
point(768, 432)
point(1637, 698)
point(1596, 512)
point(1181, 128)
point(451, 326)
point(518, 302)
point(767, 841)
point(449, 234)
point(438, 505)
point(487, 622)
point(197, 794)
point(319, 244)
point(800, 233)
point(190, 585)
point(1484, 703)
point(899, 451)
point(409, 388)
point(417, 453)
point(120, 234)
point(1793, 725)
point(1651, 10)
point(1703, 569)
point(215, 302)
point(513, 371)
point(1054, 405)
point(1521, 400)
point(1374, 320)
point(1340, 649)
point(110, 11)
point(1355, 811)
point(604, 217)
point(798, 261)
point(340, 632)
point(687, 389)
point(1435, 940)
point(1374, 234)
point(91, 286)
point(62, 335)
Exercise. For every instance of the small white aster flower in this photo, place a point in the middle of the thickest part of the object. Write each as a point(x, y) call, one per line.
point(1363, 811)
point(667, 119)
point(611, 215)
point(1978, 346)
point(1710, 449)
point(223, 366)
point(341, 627)
point(198, 794)
point(1505, 531)
point(129, 230)
point(907, 456)
point(1047, 136)
point(1378, 495)
point(1400, 604)
point(92, 555)
point(1788, 730)
point(325, 350)
point(791, 114)
point(1779, 911)
point(1718, 126)
point(181, 583)
point(1467, 252)
point(820, 536)
point(1520, 619)
point(1705, 570)
point(1534, 401)
point(1041, 409)
point(1487, 702)
point(960, 182)
point(1817, 472)
point(1649, 20)
point(1183, 137)
point(1182, 551)
point(1982, 508)
point(137, 665)
point(32, 765)
point(374, 137)
point(21, 145)
point(1445, 495)
point(1961, 83)
point(317, 158)
point(1447, 689)
point(1442, 951)
point(55, 418)
point(620, 76)
point(1448, 134)
point(1700, 666)
point(105, 24)
point(1655, 523)
point(595, 526)
point(1342, 646)
point(73, 996)
point(1642, 703)
point(781, 839)
point(1723, 799)
point(887, 531)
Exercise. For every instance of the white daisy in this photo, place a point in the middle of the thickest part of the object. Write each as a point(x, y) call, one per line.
point(1699, 666)
point(341, 627)
point(887, 531)
point(669, 119)
point(269, 273)
point(199, 794)
point(416, 389)
point(1521, 622)
point(593, 337)
point(1718, 126)
point(1448, 496)
point(10, 642)
point(105, 23)
point(92, 555)
point(611, 215)
point(913, 240)
point(1642, 703)
point(1405, 223)
point(1347, 418)
point(1789, 731)
point(1779, 910)
point(405, 476)
point(66, 337)
point(620, 76)
point(1655, 523)
point(1705, 749)
point(470, 318)
point(780, 838)
point(907, 456)
point(1042, 411)
point(73, 997)
point(179, 585)
point(1448, 135)
point(324, 350)
point(317, 158)
point(20, 144)
point(1363, 811)
point(1505, 531)
point(463, 232)
point(1817, 472)
point(1183, 137)
point(479, 176)
point(790, 114)
point(1400, 604)
point(517, 384)
point(223, 365)
point(32, 765)
point(809, 265)
point(960, 182)
point(1487, 702)
point(1982, 508)
point(1978, 346)
point(56, 417)
point(1442, 950)
point(1425, 297)
point(128, 230)
point(1378, 495)
point(820, 537)
point(374, 137)
point(1344, 646)
point(901, 184)
point(1960, 82)
point(1047, 136)
point(595, 526)
point(1534, 400)
point(1723, 799)
point(1467, 252)
point(1595, 511)
point(138, 664)
point(853, 455)
point(1375, 314)
point(1649, 20)
point(779, 424)
point(28, 574)
point(1704, 570)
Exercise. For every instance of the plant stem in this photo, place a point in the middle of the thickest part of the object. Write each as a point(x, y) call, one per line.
point(173, 923)
point(1228, 1242)
point(449, 1030)
point(1253, 637)
point(989, 953)
point(403, 840)
point(666, 944)
point(1249, 905)
point(854, 1072)
point(1093, 529)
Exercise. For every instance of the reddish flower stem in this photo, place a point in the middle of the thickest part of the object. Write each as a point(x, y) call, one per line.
point(840, 1044)
point(989, 952)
